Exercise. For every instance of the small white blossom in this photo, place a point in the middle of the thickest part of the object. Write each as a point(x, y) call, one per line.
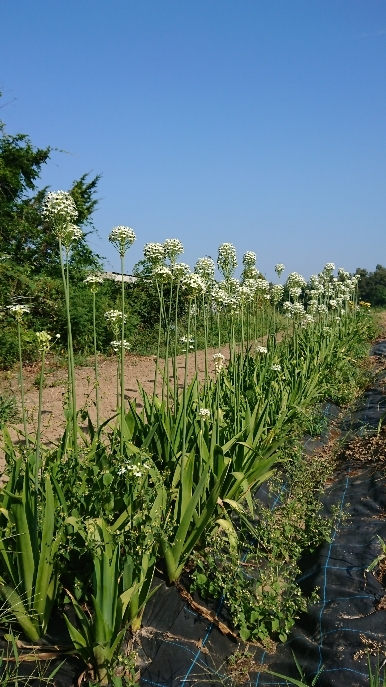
point(154, 252)
point(172, 248)
point(59, 211)
point(218, 359)
point(277, 292)
point(261, 349)
point(204, 413)
point(93, 280)
point(18, 310)
point(227, 260)
point(180, 270)
point(249, 259)
point(276, 367)
point(117, 345)
point(44, 339)
point(122, 238)
point(279, 269)
point(194, 285)
point(162, 274)
point(205, 268)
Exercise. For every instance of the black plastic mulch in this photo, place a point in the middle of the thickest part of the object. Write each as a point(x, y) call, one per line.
point(181, 648)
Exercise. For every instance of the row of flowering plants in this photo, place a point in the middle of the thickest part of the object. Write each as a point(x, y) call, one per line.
point(87, 522)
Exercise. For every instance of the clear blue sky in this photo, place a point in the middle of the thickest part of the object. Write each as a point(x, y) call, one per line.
point(260, 122)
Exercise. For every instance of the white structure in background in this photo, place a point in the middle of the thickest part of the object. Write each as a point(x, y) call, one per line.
point(116, 276)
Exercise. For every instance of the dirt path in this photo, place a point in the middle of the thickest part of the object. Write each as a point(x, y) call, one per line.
point(137, 369)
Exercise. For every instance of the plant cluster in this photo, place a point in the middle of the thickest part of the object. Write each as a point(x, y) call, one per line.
point(86, 523)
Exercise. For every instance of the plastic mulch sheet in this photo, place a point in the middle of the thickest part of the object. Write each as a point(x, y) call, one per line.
point(181, 647)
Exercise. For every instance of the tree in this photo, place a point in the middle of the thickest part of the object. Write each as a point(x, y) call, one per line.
point(24, 239)
point(372, 285)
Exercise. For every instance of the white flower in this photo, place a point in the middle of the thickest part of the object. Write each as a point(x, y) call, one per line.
point(249, 259)
point(205, 268)
point(227, 260)
point(162, 274)
point(322, 309)
point(329, 267)
point(154, 252)
point(333, 303)
point(279, 268)
point(295, 291)
point(326, 329)
point(261, 349)
point(114, 320)
point(43, 341)
point(295, 280)
point(180, 270)
point(59, 211)
point(194, 285)
point(276, 368)
point(122, 238)
point(277, 292)
point(307, 319)
point(93, 280)
point(262, 285)
point(218, 359)
point(18, 310)
point(172, 248)
point(204, 413)
point(117, 345)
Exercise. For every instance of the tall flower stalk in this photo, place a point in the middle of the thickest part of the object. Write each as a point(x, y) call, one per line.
point(93, 281)
point(60, 213)
point(122, 238)
point(18, 311)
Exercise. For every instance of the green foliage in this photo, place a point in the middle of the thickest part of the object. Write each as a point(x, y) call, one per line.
point(258, 579)
point(28, 551)
point(9, 410)
point(372, 286)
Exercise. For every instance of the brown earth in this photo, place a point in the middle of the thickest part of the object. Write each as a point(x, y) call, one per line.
point(137, 369)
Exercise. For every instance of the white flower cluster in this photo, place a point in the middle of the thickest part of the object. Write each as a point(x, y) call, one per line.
point(261, 349)
point(162, 274)
point(218, 359)
point(277, 292)
point(122, 238)
point(249, 259)
point(58, 208)
point(117, 345)
point(180, 270)
point(18, 310)
point(294, 310)
point(227, 259)
point(93, 280)
point(276, 367)
point(279, 269)
point(114, 320)
point(329, 267)
point(194, 285)
point(205, 267)
point(154, 252)
point(172, 248)
point(295, 280)
point(204, 414)
point(44, 341)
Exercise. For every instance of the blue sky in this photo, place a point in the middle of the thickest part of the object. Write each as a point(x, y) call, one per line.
point(260, 122)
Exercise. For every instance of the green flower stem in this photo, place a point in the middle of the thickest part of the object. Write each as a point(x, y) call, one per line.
point(175, 372)
point(71, 370)
point(21, 382)
point(160, 296)
point(95, 360)
point(183, 457)
point(122, 355)
point(38, 432)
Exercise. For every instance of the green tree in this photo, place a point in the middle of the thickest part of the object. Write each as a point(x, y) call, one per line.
point(372, 286)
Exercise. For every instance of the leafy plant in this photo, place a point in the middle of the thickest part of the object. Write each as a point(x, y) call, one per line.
point(28, 551)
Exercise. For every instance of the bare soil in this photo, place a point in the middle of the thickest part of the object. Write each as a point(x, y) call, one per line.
point(138, 369)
